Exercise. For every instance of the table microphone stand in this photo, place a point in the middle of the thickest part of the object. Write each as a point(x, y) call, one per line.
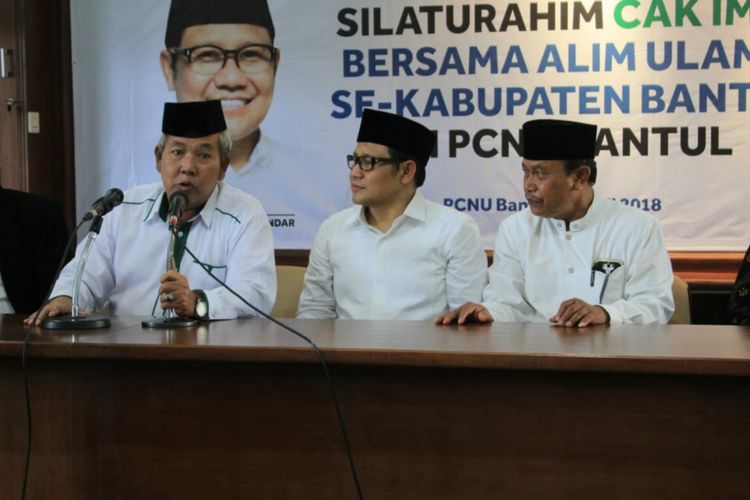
point(170, 320)
point(75, 321)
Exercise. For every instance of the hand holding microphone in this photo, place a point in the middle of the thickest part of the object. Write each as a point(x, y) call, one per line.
point(175, 296)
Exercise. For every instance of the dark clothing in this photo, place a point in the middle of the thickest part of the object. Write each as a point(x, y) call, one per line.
point(32, 240)
point(739, 302)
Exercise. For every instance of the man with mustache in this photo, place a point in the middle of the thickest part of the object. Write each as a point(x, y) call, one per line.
point(394, 255)
point(224, 50)
point(225, 228)
point(573, 258)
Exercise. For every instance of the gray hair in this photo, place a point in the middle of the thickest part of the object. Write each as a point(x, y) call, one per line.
point(225, 144)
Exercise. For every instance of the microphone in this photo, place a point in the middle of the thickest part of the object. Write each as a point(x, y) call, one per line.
point(103, 205)
point(177, 204)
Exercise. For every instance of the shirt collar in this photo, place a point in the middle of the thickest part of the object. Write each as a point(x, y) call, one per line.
point(153, 209)
point(209, 209)
point(416, 209)
point(160, 205)
point(592, 214)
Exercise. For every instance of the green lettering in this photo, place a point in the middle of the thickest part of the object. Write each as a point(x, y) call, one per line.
point(717, 12)
point(682, 11)
point(620, 20)
point(657, 13)
point(734, 6)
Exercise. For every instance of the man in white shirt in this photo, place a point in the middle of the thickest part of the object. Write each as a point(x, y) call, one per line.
point(225, 228)
point(572, 258)
point(224, 50)
point(394, 255)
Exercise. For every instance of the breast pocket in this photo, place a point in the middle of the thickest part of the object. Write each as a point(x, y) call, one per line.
point(609, 280)
point(200, 274)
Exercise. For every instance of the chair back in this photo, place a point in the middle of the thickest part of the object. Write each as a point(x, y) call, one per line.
point(681, 314)
point(290, 281)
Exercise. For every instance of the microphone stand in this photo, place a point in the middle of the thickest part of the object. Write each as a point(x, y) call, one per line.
point(170, 320)
point(75, 321)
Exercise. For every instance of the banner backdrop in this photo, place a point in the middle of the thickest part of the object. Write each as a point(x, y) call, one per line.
point(666, 81)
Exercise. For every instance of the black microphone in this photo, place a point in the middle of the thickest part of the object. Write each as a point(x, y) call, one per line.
point(177, 203)
point(103, 205)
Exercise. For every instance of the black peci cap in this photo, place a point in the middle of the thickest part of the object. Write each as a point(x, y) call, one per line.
point(397, 132)
point(193, 119)
point(186, 13)
point(558, 140)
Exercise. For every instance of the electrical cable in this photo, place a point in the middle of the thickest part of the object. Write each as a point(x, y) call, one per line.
point(316, 349)
point(24, 363)
point(321, 358)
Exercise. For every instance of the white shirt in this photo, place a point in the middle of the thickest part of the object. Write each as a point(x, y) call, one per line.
point(230, 234)
point(5, 306)
point(538, 265)
point(429, 261)
point(287, 181)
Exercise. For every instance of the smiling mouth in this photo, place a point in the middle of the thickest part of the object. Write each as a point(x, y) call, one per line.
point(234, 103)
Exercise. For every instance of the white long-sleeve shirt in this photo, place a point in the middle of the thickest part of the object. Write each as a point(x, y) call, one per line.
point(538, 264)
point(230, 234)
point(429, 261)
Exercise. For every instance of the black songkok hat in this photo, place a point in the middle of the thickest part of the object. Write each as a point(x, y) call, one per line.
point(558, 140)
point(193, 119)
point(186, 13)
point(397, 132)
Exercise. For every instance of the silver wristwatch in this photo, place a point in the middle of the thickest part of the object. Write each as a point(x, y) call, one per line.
point(201, 304)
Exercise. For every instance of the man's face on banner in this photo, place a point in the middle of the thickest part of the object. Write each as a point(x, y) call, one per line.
point(245, 97)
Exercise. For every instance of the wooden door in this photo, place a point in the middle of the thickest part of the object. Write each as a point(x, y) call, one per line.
point(39, 161)
point(11, 170)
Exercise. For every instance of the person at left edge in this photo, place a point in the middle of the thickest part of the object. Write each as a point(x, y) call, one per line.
point(739, 301)
point(224, 227)
point(32, 242)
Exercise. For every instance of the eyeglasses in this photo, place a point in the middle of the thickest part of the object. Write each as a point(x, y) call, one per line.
point(209, 59)
point(367, 163)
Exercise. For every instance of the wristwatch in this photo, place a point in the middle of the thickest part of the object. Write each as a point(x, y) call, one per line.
point(201, 304)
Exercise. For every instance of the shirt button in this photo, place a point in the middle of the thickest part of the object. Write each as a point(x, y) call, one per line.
point(568, 237)
point(179, 234)
point(571, 270)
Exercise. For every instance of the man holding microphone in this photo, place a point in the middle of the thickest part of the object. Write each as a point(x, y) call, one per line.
point(225, 228)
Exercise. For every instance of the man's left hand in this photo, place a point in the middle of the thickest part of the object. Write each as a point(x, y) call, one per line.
point(175, 293)
point(576, 312)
